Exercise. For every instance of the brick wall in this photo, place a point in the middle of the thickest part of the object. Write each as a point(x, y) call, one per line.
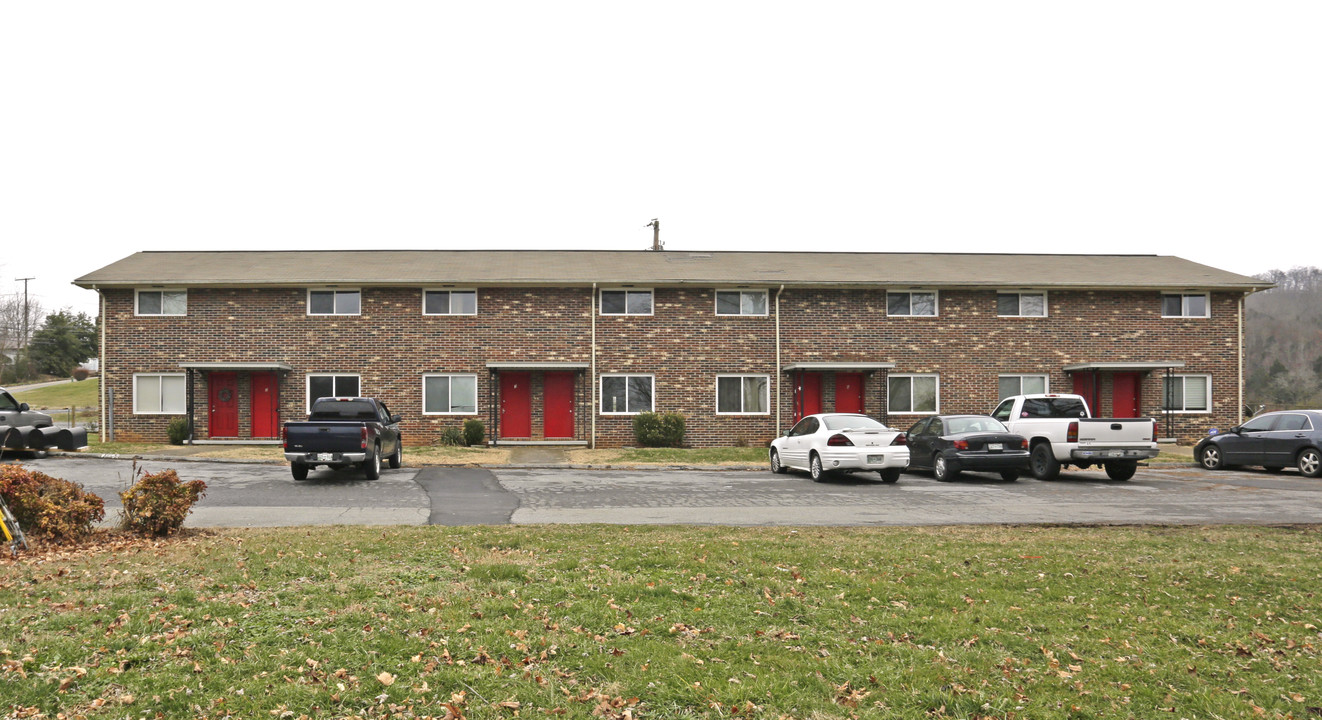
point(683, 344)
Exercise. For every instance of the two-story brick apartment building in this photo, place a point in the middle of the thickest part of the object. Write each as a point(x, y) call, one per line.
point(565, 346)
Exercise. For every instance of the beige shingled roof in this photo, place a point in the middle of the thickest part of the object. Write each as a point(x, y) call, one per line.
point(670, 267)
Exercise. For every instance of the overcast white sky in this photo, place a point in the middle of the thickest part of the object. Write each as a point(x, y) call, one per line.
point(1174, 128)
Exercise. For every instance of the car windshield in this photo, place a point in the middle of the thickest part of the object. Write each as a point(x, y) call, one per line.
point(1061, 407)
point(343, 410)
point(974, 424)
point(852, 422)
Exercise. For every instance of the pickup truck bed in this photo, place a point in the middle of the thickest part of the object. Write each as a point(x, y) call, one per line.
point(342, 432)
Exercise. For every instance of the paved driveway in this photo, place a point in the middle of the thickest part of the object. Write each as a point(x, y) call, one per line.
point(262, 495)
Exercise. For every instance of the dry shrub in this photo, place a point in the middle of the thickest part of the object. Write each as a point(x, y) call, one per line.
point(158, 503)
point(50, 506)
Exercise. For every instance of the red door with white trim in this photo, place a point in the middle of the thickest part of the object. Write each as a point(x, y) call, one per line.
point(1126, 395)
point(515, 405)
point(265, 406)
point(558, 405)
point(849, 392)
point(223, 399)
point(1085, 384)
point(807, 395)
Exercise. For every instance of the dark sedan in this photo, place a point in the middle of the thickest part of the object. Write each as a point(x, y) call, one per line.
point(950, 444)
point(1275, 440)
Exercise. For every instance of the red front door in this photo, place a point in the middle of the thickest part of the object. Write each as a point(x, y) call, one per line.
point(558, 405)
point(265, 406)
point(1085, 384)
point(848, 392)
point(1126, 395)
point(807, 395)
point(223, 398)
point(515, 405)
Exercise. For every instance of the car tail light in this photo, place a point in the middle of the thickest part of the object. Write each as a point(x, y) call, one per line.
point(839, 441)
point(1023, 444)
point(901, 439)
point(284, 437)
point(1072, 435)
point(364, 436)
point(961, 444)
point(1155, 428)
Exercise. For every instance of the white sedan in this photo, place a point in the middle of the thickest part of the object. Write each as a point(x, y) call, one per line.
point(846, 442)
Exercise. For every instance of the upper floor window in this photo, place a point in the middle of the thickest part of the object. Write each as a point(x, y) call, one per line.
point(320, 386)
point(449, 302)
point(911, 303)
point(1025, 304)
point(449, 394)
point(1188, 393)
point(159, 394)
point(1186, 305)
point(334, 302)
point(162, 302)
point(626, 394)
point(626, 302)
point(741, 302)
point(1023, 385)
point(742, 394)
point(913, 393)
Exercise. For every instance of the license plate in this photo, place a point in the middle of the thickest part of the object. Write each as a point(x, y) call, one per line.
point(876, 459)
point(325, 457)
point(995, 447)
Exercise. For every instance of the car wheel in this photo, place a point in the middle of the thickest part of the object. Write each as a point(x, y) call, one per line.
point(1009, 475)
point(1310, 462)
point(776, 467)
point(1121, 470)
point(889, 475)
point(299, 471)
point(815, 468)
point(397, 457)
point(1210, 458)
point(372, 465)
point(942, 470)
point(1043, 464)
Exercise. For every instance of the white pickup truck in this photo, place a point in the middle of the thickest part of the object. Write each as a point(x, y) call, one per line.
point(1061, 432)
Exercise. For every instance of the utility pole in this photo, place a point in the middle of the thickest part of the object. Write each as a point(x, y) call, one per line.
point(656, 234)
point(26, 356)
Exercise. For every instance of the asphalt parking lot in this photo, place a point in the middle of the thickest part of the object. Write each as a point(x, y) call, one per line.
point(253, 495)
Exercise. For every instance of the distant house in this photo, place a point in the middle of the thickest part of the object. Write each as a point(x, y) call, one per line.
point(567, 346)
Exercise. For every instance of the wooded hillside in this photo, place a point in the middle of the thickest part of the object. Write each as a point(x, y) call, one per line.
point(1283, 341)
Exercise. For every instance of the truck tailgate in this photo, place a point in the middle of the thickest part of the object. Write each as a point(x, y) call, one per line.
point(1112, 432)
point(324, 437)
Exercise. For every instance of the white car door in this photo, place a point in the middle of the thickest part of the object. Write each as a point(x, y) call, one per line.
point(799, 441)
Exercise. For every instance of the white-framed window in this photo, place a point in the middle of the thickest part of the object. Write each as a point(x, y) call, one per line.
point(1188, 394)
point(335, 302)
point(159, 394)
point(322, 385)
point(160, 302)
point(741, 302)
point(449, 394)
point(1021, 304)
point(626, 394)
point(913, 394)
point(1185, 305)
point(449, 302)
point(743, 394)
point(626, 302)
point(912, 303)
point(1023, 385)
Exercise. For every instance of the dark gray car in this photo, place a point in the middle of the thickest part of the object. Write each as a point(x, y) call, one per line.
point(1275, 441)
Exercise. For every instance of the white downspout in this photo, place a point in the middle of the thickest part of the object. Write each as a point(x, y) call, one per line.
point(1240, 412)
point(103, 367)
point(592, 373)
point(778, 375)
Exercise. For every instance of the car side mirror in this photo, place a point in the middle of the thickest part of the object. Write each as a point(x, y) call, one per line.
point(1236, 429)
point(23, 407)
point(395, 419)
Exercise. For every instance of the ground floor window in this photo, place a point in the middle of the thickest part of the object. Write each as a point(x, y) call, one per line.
point(742, 394)
point(449, 394)
point(913, 393)
point(626, 394)
point(1022, 385)
point(159, 394)
point(320, 386)
point(1188, 393)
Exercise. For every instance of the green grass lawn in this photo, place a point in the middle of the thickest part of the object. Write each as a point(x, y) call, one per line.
point(64, 396)
point(593, 621)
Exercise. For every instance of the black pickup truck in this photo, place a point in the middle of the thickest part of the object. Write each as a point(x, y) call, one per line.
point(344, 431)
